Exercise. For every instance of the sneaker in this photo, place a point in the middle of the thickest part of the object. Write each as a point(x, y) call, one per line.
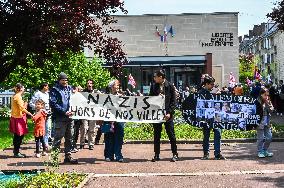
point(91, 147)
point(74, 150)
point(37, 155)
point(155, 158)
point(268, 154)
point(69, 159)
point(107, 159)
point(19, 155)
point(261, 155)
point(220, 157)
point(44, 154)
point(120, 160)
point(205, 156)
point(277, 114)
point(174, 158)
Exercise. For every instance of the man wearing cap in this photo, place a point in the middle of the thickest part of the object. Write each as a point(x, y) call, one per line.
point(59, 103)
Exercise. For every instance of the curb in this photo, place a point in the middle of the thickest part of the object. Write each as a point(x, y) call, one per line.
point(84, 182)
point(245, 140)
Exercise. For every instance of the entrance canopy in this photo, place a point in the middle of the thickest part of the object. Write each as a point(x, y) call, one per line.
point(146, 61)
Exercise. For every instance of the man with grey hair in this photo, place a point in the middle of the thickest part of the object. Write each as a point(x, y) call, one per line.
point(60, 103)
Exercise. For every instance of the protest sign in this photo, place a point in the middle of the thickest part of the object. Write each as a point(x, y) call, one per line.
point(220, 111)
point(107, 107)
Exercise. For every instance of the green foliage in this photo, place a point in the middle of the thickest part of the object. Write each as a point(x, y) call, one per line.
point(247, 66)
point(53, 180)
point(78, 68)
point(7, 138)
point(47, 180)
point(183, 131)
point(5, 111)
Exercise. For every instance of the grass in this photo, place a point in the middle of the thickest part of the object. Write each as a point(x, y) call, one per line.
point(6, 138)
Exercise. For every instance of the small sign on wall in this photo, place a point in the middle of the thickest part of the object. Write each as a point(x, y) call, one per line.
point(220, 39)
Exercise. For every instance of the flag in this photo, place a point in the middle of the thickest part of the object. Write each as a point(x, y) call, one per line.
point(232, 80)
point(131, 81)
point(248, 81)
point(257, 75)
point(171, 31)
point(157, 32)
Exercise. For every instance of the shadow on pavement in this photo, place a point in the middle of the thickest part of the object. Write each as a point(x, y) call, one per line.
point(278, 181)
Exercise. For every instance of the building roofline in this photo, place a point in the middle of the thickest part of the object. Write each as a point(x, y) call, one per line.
point(181, 14)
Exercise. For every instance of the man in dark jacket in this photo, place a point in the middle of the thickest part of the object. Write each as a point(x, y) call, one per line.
point(166, 89)
point(60, 103)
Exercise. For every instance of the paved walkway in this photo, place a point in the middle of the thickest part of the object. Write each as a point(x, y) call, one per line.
point(241, 169)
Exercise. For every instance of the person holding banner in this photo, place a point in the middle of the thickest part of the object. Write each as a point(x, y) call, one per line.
point(60, 102)
point(264, 133)
point(207, 85)
point(88, 126)
point(114, 132)
point(166, 89)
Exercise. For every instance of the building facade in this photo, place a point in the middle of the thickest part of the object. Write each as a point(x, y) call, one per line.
point(185, 45)
point(266, 42)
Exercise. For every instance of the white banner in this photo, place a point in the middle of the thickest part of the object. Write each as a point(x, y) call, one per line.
point(107, 107)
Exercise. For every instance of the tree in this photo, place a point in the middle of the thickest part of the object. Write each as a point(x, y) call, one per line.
point(247, 66)
point(277, 14)
point(39, 28)
point(76, 66)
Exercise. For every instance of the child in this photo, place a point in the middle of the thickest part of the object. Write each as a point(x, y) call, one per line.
point(39, 130)
point(264, 134)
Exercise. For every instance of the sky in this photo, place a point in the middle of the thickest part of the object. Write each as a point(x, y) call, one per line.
point(251, 12)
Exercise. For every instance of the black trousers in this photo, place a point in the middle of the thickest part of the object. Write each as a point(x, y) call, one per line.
point(169, 126)
point(17, 141)
point(39, 140)
point(98, 136)
point(77, 124)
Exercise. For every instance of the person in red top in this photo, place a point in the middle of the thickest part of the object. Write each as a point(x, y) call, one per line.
point(39, 129)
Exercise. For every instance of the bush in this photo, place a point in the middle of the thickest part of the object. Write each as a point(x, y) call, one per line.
point(49, 179)
point(143, 131)
point(5, 111)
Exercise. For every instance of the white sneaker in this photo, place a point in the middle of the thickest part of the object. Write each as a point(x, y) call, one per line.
point(261, 155)
point(44, 154)
point(268, 154)
point(277, 114)
point(37, 155)
point(281, 114)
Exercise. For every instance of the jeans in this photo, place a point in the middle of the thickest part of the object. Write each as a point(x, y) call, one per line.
point(264, 135)
point(63, 129)
point(39, 140)
point(217, 140)
point(77, 125)
point(169, 126)
point(114, 142)
point(47, 129)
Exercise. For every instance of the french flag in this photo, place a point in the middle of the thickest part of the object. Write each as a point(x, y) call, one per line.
point(131, 81)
